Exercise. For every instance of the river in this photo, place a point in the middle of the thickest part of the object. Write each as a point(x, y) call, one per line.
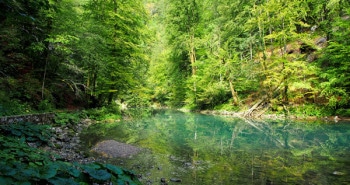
point(205, 150)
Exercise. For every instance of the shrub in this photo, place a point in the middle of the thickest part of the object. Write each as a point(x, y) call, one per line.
point(343, 112)
point(64, 118)
point(45, 106)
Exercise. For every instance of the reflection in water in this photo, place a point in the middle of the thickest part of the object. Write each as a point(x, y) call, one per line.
point(202, 149)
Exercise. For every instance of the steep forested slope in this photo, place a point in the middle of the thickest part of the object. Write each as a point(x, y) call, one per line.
point(253, 55)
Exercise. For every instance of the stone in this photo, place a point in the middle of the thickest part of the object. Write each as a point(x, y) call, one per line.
point(175, 180)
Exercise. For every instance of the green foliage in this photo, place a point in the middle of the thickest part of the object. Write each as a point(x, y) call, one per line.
point(69, 53)
point(45, 56)
point(311, 110)
point(12, 107)
point(335, 66)
point(209, 95)
point(111, 112)
point(22, 164)
point(64, 118)
point(343, 112)
point(258, 48)
point(45, 106)
point(118, 30)
point(27, 131)
point(226, 107)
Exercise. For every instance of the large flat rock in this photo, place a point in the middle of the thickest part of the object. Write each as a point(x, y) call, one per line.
point(115, 149)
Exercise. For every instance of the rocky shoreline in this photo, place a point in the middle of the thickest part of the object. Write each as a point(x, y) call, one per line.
point(66, 143)
point(329, 119)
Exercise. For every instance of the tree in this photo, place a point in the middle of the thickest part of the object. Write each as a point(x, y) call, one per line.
point(183, 17)
point(120, 25)
point(60, 51)
point(284, 67)
point(25, 26)
point(63, 69)
point(335, 66)
point(228, 45)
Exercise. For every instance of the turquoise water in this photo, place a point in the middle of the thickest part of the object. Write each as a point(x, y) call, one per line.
point(203, 149)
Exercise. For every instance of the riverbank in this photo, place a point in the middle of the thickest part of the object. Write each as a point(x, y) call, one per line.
point(328, 119)
point(67, 144)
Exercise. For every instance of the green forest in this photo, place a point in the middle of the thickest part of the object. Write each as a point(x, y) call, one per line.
point(253, 56)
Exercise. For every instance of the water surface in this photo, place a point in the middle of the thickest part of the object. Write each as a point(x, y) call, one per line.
point(205, 150)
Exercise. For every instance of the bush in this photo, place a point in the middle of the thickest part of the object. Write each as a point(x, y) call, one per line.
point(12, 107)
point(64, 118)
point(227, 106)
point(312, 110)
point(343, 112)
point(45, 106)
point(103, 113)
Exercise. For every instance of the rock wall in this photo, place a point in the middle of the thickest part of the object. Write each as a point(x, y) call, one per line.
point(34, 118)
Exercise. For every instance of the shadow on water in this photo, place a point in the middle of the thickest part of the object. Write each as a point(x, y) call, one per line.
point(203, 149)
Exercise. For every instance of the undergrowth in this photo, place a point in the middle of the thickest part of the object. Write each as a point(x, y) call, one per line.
point(103, 113)
point(22, 161)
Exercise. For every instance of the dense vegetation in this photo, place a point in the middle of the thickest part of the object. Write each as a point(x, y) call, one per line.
point(253, 55)
point(250, 55)
point(70, 53)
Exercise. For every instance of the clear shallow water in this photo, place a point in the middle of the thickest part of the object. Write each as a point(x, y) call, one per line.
point(203, 149)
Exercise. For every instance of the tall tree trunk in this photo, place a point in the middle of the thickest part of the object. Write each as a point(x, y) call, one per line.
point(285, 77)
point(234, 94)
point(192, 54)
point(44, 77)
